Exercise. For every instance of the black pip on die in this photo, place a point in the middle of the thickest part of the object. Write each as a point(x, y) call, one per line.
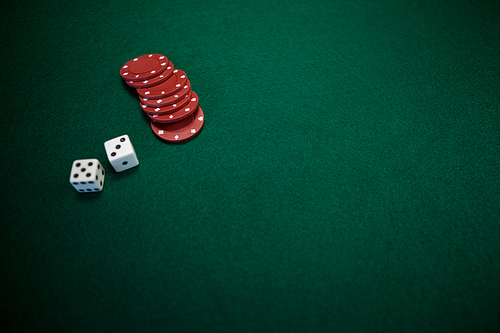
point(121, 153)
point(87, 175)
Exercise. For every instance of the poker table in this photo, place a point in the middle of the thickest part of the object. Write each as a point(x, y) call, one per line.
point(346, 178)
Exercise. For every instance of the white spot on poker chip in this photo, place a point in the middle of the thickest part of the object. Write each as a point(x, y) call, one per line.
point(169, 67)
point(159, 101)
point(185, 86)
point(152, 72)
point(150, 55)
point(193, 130)
point(176, 70)
point(147, 93)
point(171, 116)
point(144, 99)
point(200, 118)
point(135, 59)
point(177, 85)
point(162, 57)
point(126, 66)
point(187, 109)
point(137, 75)
point(145, 81)
point(125, 73)
point(144, 106)
point(176, 96)
point(155, 115)
point(183, 76)
point(176, 137)
point(163, 63)
point(174, 105)
point(160, 132)
point(193, 99)
point(157, 109)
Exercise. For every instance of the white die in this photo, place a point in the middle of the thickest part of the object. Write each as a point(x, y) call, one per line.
point(121, 153)
point(87, 175)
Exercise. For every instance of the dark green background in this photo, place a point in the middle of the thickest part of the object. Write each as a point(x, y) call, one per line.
point(347, 178)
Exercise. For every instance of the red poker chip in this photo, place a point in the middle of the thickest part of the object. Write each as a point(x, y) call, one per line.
point(166, 109)
point(154, 80)
point(144, 67)
point(179, 114)
point(172, 99)
point(175, 83)
point(182, 130)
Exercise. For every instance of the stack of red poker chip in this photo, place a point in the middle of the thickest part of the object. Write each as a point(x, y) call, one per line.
point(165, 96)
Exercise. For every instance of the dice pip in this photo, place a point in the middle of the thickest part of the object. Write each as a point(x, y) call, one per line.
point(121, 153)
point(87, 175)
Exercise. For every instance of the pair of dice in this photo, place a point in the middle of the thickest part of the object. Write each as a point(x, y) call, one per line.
point(87, 175)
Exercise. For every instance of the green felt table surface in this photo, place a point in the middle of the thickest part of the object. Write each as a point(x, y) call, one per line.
point(347, 178)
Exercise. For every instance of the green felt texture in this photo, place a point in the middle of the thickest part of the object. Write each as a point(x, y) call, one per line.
point(347, 178)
